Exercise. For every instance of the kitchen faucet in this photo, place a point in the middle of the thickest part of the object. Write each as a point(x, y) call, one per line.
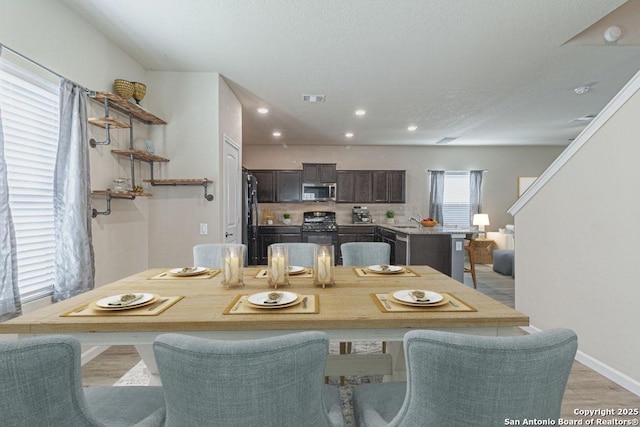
point(416, 219)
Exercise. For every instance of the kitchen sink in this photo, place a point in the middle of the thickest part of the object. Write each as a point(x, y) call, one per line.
point(405, 226)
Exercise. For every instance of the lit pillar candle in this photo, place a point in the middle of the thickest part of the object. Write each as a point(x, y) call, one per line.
point(324, 268)
point(277, 269)
point(232, 269)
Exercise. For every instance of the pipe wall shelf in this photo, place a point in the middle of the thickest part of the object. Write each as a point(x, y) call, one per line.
point(103, 122)
point(119, 103)
point(140, 155)
point(113, 194)
point(204, 182)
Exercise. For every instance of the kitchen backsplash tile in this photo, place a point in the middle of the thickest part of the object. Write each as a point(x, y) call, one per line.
point(343, 211)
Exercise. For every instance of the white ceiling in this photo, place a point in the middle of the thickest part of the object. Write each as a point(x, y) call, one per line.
point(489, 72)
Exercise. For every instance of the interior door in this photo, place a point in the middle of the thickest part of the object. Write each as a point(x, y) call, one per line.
point(232, 191)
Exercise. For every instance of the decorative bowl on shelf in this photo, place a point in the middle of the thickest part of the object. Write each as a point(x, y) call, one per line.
point(429, 222)
point(123, 88)
point(139, 90)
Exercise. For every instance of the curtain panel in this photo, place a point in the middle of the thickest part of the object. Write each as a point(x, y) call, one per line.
point(74, 263)
point(475, 192)
point(10, 305)
point(436, 195)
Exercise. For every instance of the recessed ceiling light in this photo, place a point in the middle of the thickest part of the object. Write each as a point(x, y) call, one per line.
point(360, 112)
point(276, 134)
point(349, 134)
point(581, 90)
point(412, 128)
point(263, 110)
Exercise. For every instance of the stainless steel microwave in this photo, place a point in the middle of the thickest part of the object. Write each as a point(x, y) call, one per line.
point(319, 192)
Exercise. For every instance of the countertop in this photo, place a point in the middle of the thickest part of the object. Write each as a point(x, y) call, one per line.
point(406, 228)
point(412, 229)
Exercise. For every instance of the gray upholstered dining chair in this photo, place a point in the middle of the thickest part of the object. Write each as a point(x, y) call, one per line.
point(274, 381)
point(365, 253)
point(209, 254)
point(300, 254)
point(41, 384)
point(467, 380)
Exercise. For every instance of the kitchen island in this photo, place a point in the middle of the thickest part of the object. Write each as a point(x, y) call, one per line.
point(438, 247)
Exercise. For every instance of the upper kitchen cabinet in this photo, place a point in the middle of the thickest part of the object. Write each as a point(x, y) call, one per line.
point(397, 187)
point(371, 186)
point(288, 186)
point(266, 185)
point(319, 173)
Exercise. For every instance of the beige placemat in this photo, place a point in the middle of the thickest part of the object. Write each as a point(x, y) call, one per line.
point(452, 304)
point(264, 274)
point(363, 272)
point(153, 309)
point(239, 305)
point(166, 275)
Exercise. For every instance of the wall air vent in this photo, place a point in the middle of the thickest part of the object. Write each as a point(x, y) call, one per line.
point(586, 118)
point(446, 140)
point(313, 98)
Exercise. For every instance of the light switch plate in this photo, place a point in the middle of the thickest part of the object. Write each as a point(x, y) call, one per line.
point(203, 229)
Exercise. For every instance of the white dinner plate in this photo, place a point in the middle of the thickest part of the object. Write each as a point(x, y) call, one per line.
point(429, 297)
point(260, 299)
point(386, 269)
point(295, 269)
point(188, 271)
point(111, 303)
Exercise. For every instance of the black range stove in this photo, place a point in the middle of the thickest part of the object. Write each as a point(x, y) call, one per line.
point(320, 227)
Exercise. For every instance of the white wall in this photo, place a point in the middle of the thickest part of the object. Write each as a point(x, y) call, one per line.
point(54, 36)
point(577, 246)
point(146, 232)
point(504, 165)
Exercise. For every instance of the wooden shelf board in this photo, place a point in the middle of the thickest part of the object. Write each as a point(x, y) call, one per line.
point(178, 181)
point(120, 193)
point(103, 121)
point(125, 106)
point(140, 155)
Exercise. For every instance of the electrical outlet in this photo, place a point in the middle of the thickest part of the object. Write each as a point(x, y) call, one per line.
point(203, 229)
point(458, 246)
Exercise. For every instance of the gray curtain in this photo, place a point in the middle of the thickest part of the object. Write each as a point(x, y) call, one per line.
point(74, 271)
point(10, 305)
point(436, 195)
point(475, 192)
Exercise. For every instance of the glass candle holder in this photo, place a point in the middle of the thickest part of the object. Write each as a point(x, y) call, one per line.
point(323, 265)
point(278, 265)
point(232, 263)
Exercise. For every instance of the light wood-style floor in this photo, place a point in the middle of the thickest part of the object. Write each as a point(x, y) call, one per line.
point(586, 389)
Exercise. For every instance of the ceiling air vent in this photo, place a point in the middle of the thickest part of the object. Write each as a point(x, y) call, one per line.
point(313, 98)
point(586, 118)
point(446, 140)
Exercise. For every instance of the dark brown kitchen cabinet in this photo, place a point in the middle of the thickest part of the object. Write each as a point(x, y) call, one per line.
point(269, 235)
point(319, 173)
point(345, 182)
point(354, 187)
point(397, 193)
point(266, 185)
point(288, 186)
point(378, 186)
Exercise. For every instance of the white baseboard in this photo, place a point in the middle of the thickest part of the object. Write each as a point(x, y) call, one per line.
point(606, 371)
point(91, 353)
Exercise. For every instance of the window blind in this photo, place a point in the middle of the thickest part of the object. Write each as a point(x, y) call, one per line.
point(456, 198)
point(30, 121)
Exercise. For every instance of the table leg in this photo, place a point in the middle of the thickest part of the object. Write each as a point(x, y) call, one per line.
point(146, 353)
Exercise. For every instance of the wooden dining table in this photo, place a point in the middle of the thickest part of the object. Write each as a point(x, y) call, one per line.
point(352, 309)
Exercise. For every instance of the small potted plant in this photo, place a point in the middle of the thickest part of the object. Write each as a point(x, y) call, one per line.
point(390, 217)
point(286, 218)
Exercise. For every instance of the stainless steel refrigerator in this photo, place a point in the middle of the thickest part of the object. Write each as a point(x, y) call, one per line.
point(250, 216)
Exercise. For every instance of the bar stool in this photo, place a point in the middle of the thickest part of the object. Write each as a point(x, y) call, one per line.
point(472, 265)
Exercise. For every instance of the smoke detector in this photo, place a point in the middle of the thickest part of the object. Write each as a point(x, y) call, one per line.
point(313, 98)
